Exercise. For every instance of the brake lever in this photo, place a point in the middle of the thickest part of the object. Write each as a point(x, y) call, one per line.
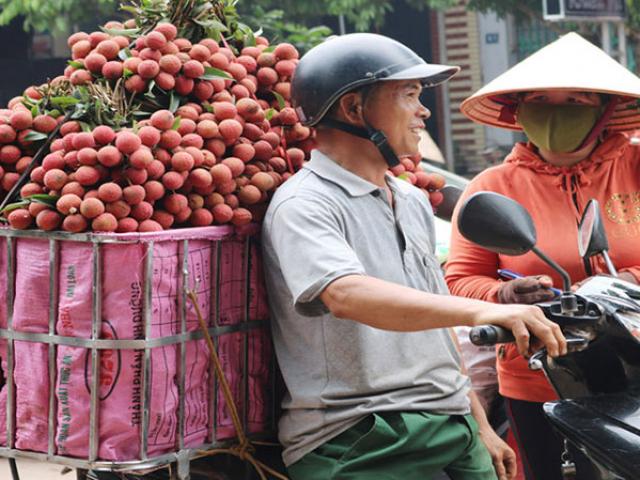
point(574, 344)
point(535, 362)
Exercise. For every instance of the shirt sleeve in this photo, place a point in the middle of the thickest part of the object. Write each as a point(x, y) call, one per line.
point(312, 250)
point(471, 271)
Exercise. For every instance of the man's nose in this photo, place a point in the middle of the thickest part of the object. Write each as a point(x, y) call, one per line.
point(424, 112)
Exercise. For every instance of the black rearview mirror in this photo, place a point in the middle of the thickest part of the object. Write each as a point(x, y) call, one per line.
point(592, 237)
point(497, 223)
point(450, 196)
point(503, 226)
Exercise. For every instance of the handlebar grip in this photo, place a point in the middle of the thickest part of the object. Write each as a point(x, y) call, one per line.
point(490, 335)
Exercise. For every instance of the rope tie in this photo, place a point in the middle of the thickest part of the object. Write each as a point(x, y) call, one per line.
point(244, 450)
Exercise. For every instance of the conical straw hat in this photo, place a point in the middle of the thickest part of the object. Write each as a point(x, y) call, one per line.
point(569, 63)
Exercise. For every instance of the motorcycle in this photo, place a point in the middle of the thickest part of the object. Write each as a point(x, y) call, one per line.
point(598, 380)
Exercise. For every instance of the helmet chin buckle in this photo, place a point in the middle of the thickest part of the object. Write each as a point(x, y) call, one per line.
point(381, 142)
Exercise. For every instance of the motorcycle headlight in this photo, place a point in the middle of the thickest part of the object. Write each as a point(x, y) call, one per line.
point(631, 321)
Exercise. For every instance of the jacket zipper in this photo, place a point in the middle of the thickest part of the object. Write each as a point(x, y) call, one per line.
point(574, 193)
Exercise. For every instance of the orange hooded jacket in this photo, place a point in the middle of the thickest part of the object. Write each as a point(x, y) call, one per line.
point(555, 197)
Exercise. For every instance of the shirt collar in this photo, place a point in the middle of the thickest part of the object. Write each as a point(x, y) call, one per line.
point(326, 168)
point(398, 186)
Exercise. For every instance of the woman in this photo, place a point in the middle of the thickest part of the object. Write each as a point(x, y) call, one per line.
point(578, 108)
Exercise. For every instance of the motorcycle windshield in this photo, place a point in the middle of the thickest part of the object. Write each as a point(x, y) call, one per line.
point(615, 287)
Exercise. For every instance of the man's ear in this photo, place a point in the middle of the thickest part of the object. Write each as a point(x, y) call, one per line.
point(350, 107)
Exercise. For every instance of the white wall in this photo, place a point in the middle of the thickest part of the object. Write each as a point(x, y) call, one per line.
point(495, 53)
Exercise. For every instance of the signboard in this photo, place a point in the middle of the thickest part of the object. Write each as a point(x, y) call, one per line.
point(584, 10)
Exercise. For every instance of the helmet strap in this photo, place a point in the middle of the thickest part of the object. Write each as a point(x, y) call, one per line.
point(378, 138)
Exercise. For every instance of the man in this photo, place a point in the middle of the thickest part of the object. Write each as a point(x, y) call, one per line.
point(359, 307)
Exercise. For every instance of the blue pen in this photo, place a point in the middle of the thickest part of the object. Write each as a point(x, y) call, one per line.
point(509, 274)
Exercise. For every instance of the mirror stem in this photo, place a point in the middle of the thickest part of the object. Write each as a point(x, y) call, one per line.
point(609, 263)
point(568, 301)
point(566, 281)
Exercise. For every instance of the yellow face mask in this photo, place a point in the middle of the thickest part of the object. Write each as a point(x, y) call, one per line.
point(557, 128)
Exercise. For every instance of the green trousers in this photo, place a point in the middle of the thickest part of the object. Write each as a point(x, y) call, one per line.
point(400, 446)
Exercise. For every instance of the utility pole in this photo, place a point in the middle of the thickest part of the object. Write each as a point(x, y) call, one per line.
point(446, 103)
point(606, 37)
point(622, 44)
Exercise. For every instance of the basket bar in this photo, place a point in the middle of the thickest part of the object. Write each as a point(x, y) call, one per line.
point(182, 346)
point(213, 321)
point(96, 321)
point(11, 386)
point(53, 307)
point(124, 466)
point(245, 366)
point(116, 344)
point(146, 372)
point(216, 383)
point(213, 233)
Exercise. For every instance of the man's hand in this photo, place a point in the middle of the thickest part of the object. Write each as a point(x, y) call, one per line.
point(504, 458)
point(525, 321)
point(526, 290)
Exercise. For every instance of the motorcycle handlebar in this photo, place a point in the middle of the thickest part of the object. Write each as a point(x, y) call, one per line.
point(486, 335)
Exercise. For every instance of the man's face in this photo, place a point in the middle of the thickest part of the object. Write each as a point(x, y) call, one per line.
point(394, 107)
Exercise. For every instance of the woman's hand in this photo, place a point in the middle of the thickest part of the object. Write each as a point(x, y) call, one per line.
point(528, 290)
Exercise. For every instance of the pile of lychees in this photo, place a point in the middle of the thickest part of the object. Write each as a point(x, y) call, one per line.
point(197, 134)
point(214, 160)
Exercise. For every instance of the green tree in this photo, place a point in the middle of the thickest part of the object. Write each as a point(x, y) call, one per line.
point(288, 20)
point(363, 14)
point(49, 15)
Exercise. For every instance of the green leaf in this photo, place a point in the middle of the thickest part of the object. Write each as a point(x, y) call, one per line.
point(124, 54)
point(176, 123)
point(174, 102)
point(280, 99)
point(126, 73)
point(250, 40)
point(403, 176)
point(208, 107)
point(149, 92)
point(79, 111)
point(14, 206)
point(34, 136)
point(212, 24)
point(85, 126)
point(34, 111)
point(269, 113)
point(140, 113)
point(63, 102)
point(43, 198)
point(211, 73)
point(130, 9)
point(127, 32)
point(76, 64)
point(270, 49)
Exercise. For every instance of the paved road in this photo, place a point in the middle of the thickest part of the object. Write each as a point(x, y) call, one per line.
point(34, 470)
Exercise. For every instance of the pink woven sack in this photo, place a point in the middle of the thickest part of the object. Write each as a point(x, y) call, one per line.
point(122, 317)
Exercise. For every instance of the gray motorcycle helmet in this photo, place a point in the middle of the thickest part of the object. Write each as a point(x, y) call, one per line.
point(345, 63)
